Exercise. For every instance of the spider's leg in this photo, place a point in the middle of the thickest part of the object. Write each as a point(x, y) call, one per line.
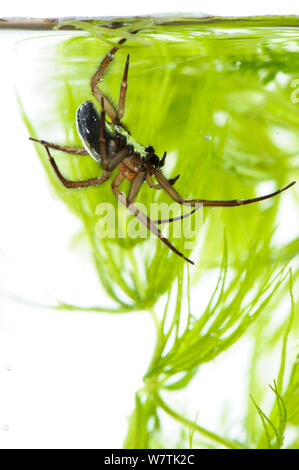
point(158, 186)
point(142, 217)
point(108, 162)
point(192, 202)
point(174, 219)
point(116, 159)
point(123, 90)
point(150, 182)
point(77, 184)
point(135, 186)
point(62, 148)
point(96, 78)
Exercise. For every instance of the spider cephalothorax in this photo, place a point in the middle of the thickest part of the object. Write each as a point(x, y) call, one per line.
point(109, 144)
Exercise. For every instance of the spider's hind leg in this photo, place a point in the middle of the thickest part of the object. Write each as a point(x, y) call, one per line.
point(123, 90)
point(77, 184)
point(97, 77)
point(114, 114)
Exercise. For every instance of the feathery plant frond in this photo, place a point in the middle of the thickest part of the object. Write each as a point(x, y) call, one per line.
point(225, 319)
point(286, 389)
point(218, 98)
point(274, 434)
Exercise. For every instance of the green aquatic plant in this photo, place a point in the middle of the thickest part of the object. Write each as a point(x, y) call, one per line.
point(217, 96)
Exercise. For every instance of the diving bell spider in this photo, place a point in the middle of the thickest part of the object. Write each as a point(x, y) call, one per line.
point(112, 150)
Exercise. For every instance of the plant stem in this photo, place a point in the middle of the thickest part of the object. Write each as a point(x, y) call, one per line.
point(205, 432)
point(138, 282)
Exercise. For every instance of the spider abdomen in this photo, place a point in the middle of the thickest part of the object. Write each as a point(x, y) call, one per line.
point(88, 127)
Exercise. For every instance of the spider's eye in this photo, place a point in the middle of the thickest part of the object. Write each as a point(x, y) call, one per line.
point(149, 149)
point(154, 160)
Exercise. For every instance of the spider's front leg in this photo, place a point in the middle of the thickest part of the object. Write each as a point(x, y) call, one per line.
point(205, 202)
point(171, 181)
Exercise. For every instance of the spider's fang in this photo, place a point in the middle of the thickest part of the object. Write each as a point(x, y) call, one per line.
point(173, 180)
point(162, 162)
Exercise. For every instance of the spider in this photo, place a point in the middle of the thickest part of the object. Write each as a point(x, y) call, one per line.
point(112, 149)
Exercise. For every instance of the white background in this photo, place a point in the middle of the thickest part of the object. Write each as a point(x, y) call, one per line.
point(133, 7)
point(68, 379)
